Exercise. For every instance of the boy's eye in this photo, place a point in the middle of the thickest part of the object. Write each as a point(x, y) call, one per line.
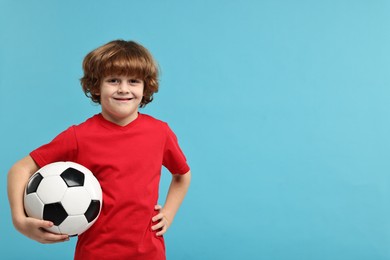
point(134, 81)
point(118, 81)
point(113, 80)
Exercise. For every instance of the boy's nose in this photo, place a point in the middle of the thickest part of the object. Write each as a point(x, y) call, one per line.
point(123, 88)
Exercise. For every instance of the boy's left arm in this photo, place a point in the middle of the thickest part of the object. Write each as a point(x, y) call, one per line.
point(176, 193)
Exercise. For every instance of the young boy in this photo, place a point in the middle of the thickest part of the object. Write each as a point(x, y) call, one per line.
point(125, 150)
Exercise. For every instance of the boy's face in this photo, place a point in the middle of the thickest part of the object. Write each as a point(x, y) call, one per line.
point(120, 97)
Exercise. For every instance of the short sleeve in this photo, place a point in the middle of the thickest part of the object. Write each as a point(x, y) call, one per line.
point(62, 148)
point(173, 158)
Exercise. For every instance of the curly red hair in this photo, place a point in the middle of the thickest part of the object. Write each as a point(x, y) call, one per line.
point(121, 58)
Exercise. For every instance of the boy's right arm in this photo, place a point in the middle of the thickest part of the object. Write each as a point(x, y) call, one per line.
point(33, 228)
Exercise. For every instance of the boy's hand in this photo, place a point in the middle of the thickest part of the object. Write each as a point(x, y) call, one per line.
point(162, 221)
point(35, 229)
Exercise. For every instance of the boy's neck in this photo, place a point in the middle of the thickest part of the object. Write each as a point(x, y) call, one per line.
point(120, 121)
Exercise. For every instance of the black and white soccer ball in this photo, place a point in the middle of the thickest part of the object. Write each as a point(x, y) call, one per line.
point(66, 193)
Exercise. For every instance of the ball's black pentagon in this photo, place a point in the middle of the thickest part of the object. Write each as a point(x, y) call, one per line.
point(33, 183)
point(92, 211)
point(73, 177)
point(54, 212)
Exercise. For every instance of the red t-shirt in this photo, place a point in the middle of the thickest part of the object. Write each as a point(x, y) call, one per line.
point(127, 162)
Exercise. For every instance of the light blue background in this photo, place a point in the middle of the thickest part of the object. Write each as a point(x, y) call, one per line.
point(282, 108)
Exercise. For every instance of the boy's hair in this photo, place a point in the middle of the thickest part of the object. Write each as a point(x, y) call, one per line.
point(120, 58)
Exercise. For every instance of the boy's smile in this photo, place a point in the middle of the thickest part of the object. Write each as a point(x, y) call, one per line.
point(120, 97)
point(123, 99)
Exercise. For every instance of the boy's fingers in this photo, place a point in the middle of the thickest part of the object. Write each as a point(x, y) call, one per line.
point(46, 224)
point(49, 237)
point(162, 231)
point(159, 225)
point(53, 238)
point(40, 223)
point(162, 223)
point(157, 217)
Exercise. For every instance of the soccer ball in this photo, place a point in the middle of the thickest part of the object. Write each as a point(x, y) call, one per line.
point(66, 193)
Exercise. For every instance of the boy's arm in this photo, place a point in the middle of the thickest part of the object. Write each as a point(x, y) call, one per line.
point(33, 228)
point(176, 193)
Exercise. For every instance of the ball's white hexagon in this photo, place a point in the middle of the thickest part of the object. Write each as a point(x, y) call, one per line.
point(33, 206)
point(53, 169)
point(51, 189)
point(92, 185)
point(73, 225)
point(76, 200)
point(54, 229)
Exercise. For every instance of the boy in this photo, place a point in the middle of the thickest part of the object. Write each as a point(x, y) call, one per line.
point(124, 149)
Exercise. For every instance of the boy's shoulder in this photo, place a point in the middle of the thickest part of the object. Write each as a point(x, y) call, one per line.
point(152, 120)
point(95, 119)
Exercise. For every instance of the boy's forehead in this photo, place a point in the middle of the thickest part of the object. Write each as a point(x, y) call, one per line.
point(127, 75)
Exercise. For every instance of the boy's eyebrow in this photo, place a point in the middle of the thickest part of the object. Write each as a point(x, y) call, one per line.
point(118, 76)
